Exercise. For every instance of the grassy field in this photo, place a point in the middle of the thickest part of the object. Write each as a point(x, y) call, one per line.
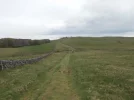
point(26, 52)
point(108, 43)
point(103, 68)
point(80, 69)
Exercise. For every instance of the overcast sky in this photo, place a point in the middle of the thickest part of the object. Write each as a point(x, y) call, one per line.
point(52, 19)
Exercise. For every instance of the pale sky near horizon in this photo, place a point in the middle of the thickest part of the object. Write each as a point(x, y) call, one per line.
point(38, 19)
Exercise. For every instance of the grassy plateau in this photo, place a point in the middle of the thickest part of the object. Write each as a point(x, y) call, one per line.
point(82, 68)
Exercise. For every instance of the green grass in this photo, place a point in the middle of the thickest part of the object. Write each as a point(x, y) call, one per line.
point(104, 43)
point(102, 68)
point(101, 75)
point(6, 52)
point(28, 81)
point(25, 52)
point(92, 69)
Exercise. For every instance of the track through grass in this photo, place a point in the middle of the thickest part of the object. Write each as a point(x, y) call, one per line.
point(80, 69)
point(60, 87)
point(102, 70)
point(27, 82)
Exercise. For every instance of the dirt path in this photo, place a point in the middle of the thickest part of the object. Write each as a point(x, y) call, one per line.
point(56, 84)
point(59, 87)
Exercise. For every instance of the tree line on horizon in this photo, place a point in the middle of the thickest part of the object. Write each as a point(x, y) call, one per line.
point(12, 42)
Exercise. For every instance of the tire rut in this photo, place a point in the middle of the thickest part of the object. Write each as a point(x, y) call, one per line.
point(59, 87)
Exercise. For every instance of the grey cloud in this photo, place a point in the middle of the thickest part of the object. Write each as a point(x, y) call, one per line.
point(102, 18)
point(26, 18)
point(56, 18)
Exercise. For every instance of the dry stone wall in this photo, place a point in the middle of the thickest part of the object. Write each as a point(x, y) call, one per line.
point(5, 64)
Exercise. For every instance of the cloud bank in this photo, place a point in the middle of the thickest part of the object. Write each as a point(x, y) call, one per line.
point(57, 18)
